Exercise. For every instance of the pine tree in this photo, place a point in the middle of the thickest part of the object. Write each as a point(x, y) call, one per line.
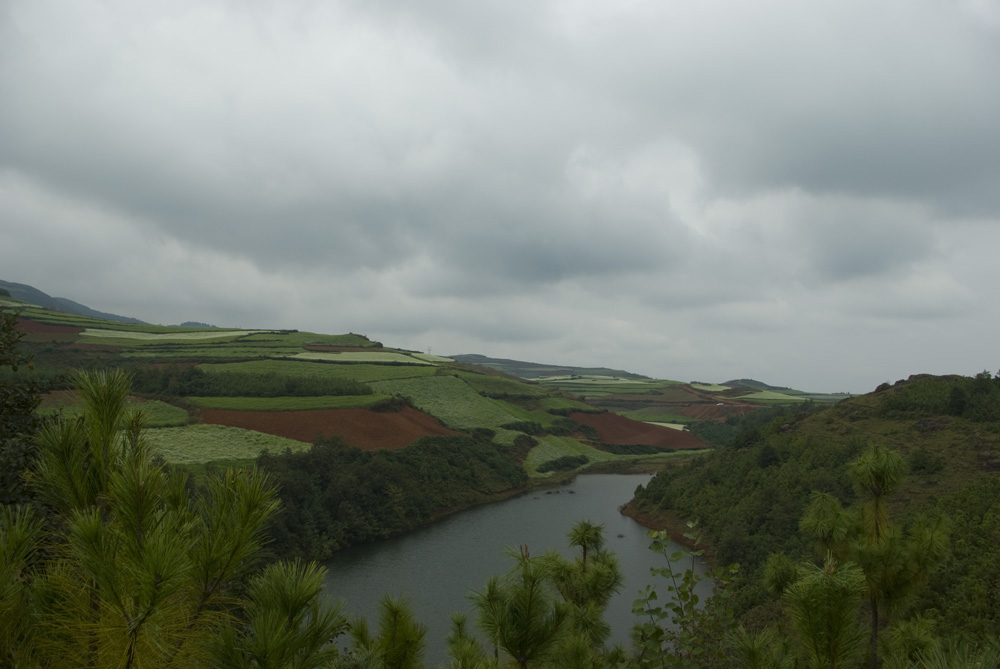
point(519, 614)
point(136, 571)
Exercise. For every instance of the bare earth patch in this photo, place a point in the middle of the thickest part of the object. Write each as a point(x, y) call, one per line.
point(34, 327)
point(615, 429)
point(367, 430)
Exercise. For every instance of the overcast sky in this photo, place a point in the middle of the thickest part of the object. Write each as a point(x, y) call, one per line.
point(804, 193)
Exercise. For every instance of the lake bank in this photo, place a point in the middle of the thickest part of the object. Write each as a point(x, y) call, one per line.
point(437, 566)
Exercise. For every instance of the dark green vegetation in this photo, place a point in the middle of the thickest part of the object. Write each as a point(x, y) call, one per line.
point(334, 496)
point(19, 399)
point(565, 463)
point(867, 532)
point(125, 567)
point(802, 478)
point(176, 381)
point(211, 397)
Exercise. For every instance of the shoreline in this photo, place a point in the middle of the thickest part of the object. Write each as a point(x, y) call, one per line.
point(675, 526)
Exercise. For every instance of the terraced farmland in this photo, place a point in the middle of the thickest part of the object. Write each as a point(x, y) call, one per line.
point(199, 444)
point(448, 396)
point(451, 400)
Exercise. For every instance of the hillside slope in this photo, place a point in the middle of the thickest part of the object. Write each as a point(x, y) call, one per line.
point(32, 295)
point(750, 496)
point(306, 386)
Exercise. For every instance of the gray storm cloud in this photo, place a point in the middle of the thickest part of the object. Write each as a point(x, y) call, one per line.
point(688, 190)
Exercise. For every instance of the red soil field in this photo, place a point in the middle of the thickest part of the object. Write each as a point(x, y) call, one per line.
point(34, 327)
point(361, 428)
point(615, 429)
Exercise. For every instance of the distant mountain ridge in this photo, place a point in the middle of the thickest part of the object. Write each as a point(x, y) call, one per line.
point(755, 385)
point(534, 370)
point(30, 294)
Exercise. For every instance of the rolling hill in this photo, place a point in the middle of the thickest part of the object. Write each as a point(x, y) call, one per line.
point(281, 389)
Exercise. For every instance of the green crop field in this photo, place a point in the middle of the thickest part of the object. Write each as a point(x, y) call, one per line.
point(550, 448)
point(359, 371)
point(287, 403)
point(599, 386)
point(450, 400)
point(770, 396)
point(539, 416)
point(562, 403)
point(205, 443)
point(499, 385)
point(427, 357)
point(161, 414)
point(377, 357)
point(154, 412)
point(219, 352)
point(298, 339)
point(197, 335)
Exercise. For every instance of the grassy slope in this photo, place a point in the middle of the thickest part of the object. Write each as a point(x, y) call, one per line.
point(750, 500)
point(459, 395)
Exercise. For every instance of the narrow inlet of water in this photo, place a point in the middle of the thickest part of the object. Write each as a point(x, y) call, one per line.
point(437, 567)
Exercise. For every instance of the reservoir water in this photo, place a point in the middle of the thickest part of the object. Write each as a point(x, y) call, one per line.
point(437, 567)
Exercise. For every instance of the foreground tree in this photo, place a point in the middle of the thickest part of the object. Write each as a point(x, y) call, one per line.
point(867, 559)
point(519, 614)
point(136, 571)
point(399, 642)
point(691, 627)
point(19, 398)
point(586, 583)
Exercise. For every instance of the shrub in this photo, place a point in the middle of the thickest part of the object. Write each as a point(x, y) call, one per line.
point(565, 463)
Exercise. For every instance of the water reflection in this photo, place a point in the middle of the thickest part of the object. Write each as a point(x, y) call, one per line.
point(436, 567)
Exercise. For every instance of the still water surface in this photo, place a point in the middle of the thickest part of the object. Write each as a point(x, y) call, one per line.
point(438, 566)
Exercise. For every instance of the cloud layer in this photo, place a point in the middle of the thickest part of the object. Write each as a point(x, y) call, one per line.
point(803, 193)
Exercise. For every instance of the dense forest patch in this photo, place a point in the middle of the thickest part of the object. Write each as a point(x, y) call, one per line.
point(751, 493)
point(334, 495)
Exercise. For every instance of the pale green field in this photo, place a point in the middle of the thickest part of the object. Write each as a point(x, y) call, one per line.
point(550, 448)
point(358, 371)
point(595, 379)
point(499, 385)
point(431, 358)
point(194, 444)
point(547, 403)
point(672, 426)
point(538, 416)
point(450, 400)
point(222, 350)
point(167, 336)
point(599, 386)
point(362, 356)
point(287, 403)
point(154, 412)
point(771, 396)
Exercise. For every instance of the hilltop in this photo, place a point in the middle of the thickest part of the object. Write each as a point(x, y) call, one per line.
point(31, 295)
point(751, 493)
point(534, 370)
